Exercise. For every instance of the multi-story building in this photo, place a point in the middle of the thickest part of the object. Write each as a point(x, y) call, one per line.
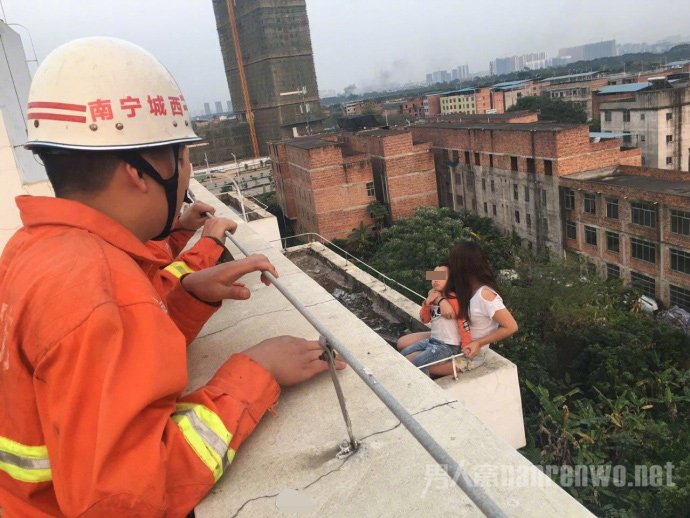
point(510, 172)
point(657, 112)
point(632, 223)
point(413, 107)
point(574, 88)
point(532, 61)
point(222, 137)
point(353, 108)
point(467, 100)
point(601, 49)
point(507, 94)
point(431, 105)
point(325, 183)
point(276, 50)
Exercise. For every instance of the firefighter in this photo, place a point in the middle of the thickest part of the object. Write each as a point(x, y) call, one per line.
point(92, 348)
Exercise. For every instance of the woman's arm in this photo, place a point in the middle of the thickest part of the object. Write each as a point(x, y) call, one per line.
point(507, 326)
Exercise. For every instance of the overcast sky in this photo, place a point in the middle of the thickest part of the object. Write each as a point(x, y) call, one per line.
point(364, 42)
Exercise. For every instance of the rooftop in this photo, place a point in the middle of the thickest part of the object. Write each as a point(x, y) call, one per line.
point(509, 84)
point(618, 177)
point(289, 462)
point(512, 126)
point(572, 77)
point(622, 89)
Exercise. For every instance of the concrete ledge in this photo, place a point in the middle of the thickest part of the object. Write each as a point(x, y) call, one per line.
point(288, 465)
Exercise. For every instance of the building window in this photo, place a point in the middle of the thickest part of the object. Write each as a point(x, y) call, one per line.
point(669, 139)
point(644, 284)
point(641, 116)
point(680, 222)
point(526, 193)
point(493, 186)
point(669, 116)
point(548, 167)
point(370, 189)
point(494, 209)
point(680, 261)
point(543, 198)
point(476, 159)
point(590, 235)
point(545, 226)
point(467, 157)
point(607, 116)
point(643, 138)
point(483, 184)
point(626, 115)
point(643, 250)
point(613, 271)
point(531, 167)
point(486, 208)
point(513, 163)
point(669, 160)
point(528, 220)
point(590, 203)
point(516, 195)
point(680, 297)
point(491, 160)
point(612, 208)
point(569, 199)
point(612, 242)
point(644, 214)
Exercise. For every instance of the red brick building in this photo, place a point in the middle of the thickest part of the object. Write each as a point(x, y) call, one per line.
point(324, 183)
point(632, 223)
point(510, 172)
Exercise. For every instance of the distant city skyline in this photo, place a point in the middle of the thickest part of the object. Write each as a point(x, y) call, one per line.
point(368, 45)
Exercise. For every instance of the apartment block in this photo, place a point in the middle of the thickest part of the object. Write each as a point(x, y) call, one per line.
point(467, 100)
point(508, 93)
point(632, 223)
point(510, 172)
point(276, 51)
point(575, 88)
point(431, 105)
point(324, 183)
point(658, 113)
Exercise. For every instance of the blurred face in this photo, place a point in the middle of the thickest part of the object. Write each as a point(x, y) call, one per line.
point(440, 284)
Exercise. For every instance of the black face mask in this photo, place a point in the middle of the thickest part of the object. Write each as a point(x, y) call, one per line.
point(170, 185)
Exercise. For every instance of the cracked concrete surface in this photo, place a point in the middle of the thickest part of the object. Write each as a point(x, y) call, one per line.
point(391, 474)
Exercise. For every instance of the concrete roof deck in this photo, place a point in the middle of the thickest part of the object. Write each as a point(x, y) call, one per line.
point(289, 463)
point(617, 178)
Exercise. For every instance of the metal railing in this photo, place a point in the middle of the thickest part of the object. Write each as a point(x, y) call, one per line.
point(378, 273)
point(476, 493)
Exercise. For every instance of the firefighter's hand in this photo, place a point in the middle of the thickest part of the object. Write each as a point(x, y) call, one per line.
point(216, 227)
point(193, 216)
point(220, 282)
point(291, 360)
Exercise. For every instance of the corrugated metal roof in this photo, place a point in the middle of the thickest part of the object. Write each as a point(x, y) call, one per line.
point(622, 89)
point(609, 134)
point(678, 63)
point(509, 84)
point(570, 76)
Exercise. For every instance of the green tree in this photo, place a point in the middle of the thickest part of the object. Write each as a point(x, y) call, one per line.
point(359, 239)
point(552, 109)
point(378, 212)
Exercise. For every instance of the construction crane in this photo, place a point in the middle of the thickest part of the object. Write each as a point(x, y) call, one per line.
point(243, 78)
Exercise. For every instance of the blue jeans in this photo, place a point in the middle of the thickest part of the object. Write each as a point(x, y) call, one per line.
point(431, 350)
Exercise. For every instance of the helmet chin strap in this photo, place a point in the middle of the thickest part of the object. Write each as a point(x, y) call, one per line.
point(170, 185)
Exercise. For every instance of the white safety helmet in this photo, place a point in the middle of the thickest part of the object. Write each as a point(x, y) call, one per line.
point(105, 94)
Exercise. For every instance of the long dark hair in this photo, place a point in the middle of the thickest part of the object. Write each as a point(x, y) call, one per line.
point(467, 264)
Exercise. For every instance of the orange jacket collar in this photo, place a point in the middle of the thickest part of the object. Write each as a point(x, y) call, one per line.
point(43, 210)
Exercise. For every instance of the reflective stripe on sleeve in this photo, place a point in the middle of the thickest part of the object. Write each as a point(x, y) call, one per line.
point(178, 269)
point(24, 463)
point(207, 435)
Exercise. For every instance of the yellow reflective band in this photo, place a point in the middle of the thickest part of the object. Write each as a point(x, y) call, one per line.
point(178, 269)
point(205, 432)
point(24, 463)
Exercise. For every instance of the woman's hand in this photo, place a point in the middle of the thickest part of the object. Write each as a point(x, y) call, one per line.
point(471, 349)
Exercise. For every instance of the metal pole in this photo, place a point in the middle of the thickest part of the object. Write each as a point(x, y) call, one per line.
point(239, 192)
point(441, 456)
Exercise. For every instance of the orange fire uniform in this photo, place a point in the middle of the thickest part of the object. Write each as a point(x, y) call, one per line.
point(92, 367)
